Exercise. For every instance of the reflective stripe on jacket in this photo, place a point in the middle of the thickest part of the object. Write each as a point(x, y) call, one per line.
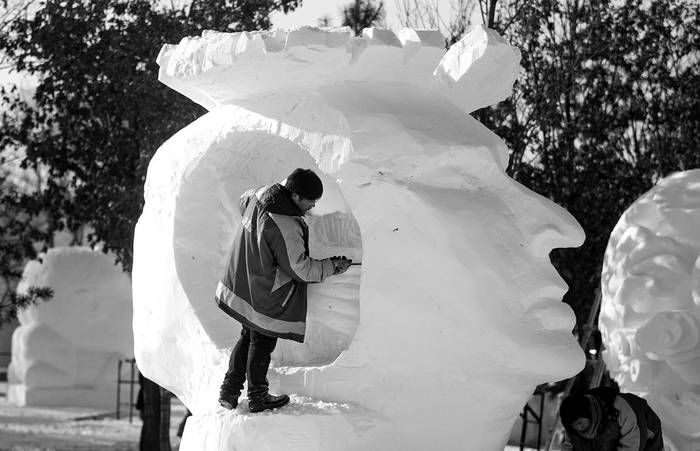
point(264, 285)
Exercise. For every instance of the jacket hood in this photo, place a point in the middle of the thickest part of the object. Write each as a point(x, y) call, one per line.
point(278, 199)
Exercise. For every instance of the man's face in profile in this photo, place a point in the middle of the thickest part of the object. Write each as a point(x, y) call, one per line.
point(303, 204)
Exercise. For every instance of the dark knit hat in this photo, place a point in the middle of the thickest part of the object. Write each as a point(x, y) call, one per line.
point(574, 407)
point(305, 183)
point(586, 406)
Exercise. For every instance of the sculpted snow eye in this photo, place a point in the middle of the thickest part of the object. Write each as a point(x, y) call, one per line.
point(446, 305)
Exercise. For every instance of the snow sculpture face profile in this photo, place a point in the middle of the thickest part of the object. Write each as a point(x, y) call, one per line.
point(650, 311)
point(455, 315)
point(65, 351)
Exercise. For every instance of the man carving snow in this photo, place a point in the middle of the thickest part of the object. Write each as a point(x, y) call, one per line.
point(604, 420)
point(264, 286)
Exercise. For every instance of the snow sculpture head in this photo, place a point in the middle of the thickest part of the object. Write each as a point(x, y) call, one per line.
point(650, 312)
point(456, 312)
point(65, 351)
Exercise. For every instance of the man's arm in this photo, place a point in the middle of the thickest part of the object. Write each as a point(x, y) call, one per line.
point(629, 429)
point(286, 242)
point(566, 445)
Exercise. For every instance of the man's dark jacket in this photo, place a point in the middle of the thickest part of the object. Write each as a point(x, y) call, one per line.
point(648, 423)
point(264, 286)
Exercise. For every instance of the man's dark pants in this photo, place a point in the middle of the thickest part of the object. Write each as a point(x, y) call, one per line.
point(250, 359)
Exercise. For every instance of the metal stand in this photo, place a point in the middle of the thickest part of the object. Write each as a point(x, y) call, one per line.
point(3, 368)
point(132, 380)
point(536, 419)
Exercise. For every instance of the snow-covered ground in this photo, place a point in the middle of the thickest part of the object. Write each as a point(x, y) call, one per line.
point(72, 428)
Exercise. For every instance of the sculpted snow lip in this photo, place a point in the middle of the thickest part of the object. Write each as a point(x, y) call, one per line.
point(551, 314)
point(544, 307)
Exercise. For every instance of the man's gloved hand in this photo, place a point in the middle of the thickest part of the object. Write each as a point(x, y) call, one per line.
point(341, 264)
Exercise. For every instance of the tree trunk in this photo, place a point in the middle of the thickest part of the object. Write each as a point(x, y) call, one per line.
point(164, 419)
point(492, 14)
point(155, 414)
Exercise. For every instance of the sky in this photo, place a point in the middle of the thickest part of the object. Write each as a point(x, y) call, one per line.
point(312, 10)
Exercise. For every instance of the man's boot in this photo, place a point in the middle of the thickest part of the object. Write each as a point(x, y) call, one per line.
point(228, 395)
point(257, 402)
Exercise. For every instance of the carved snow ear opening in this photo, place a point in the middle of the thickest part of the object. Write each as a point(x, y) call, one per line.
point(334, 305)
point(207, 214)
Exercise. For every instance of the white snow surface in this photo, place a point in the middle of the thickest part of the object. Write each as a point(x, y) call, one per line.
point(650, 311)
point(224, 68)
point(65, 351)
point(440, 337)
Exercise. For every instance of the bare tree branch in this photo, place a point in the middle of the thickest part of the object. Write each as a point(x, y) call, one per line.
point(417, 14)
point(14, 12)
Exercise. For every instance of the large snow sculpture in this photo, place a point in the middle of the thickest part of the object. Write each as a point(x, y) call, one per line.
point(460, 312)
point(650, 312)
point(65, 351)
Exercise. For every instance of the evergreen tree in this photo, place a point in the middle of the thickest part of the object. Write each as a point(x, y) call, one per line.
point(361, 14)
point(96, 119)
point(606, 106)
point(99, 112)
point(11, 302)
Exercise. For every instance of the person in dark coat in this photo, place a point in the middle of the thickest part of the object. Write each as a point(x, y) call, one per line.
point(604, 420)
point(264, 286)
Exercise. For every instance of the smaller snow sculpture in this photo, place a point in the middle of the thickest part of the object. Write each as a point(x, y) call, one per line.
point(650, 313)
point(65, 351)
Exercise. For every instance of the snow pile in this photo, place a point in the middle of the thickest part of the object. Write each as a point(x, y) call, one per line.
point(439, 338)
point(650, 313)
point(65, 351)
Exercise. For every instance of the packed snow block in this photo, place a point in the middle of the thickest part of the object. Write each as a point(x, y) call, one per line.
point(481, 58)
point(439, 338)
point(65, 351)
point(223, 68)
point(304, 425)
point(650, 311)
